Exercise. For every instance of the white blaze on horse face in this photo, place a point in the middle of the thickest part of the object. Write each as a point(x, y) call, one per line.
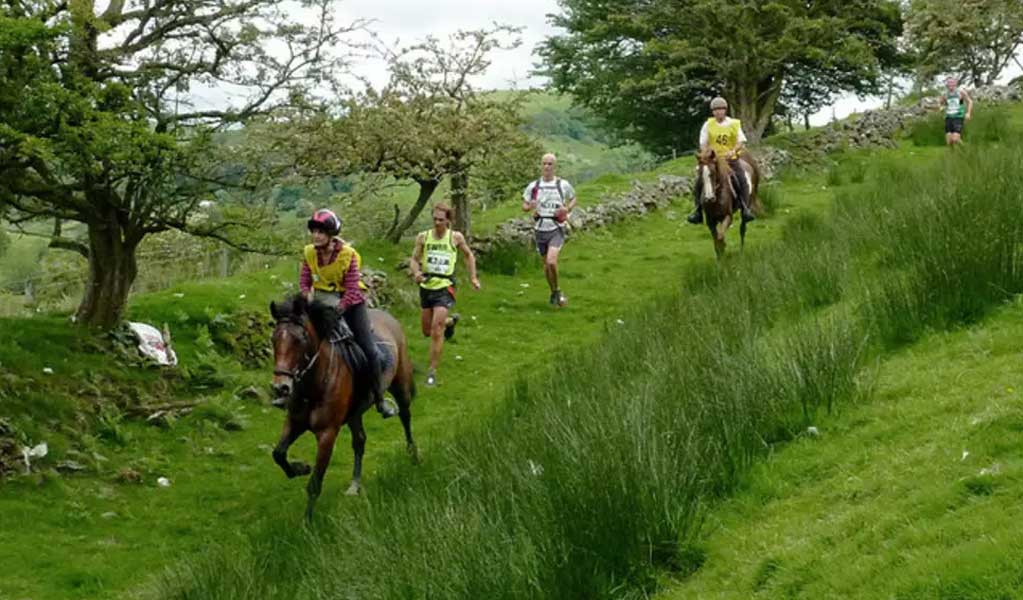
point(708, 185)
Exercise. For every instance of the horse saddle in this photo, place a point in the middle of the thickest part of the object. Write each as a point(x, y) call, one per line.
point(344, 339)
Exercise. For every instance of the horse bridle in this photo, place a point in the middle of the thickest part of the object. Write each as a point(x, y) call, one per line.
point(297, 375)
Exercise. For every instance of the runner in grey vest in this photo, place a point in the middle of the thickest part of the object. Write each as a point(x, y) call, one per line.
point(551, 200)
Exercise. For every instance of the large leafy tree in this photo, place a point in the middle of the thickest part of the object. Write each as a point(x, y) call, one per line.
point(974, 39)
point(648, 67)
point(99, 122)
point(429, 122)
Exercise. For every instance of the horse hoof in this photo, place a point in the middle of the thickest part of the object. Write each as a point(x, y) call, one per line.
point(413, 453)
point(353, 490)
point(300, 469)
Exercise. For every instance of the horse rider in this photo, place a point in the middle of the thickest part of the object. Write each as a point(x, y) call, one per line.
point(331, 275)
point(724, 135)
point(439, 247)
point(958, 108)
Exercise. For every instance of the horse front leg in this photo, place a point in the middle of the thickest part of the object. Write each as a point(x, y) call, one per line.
point(719, 235)
point(358, 449)
point(742, 236)
point(324, 449)
point(289, 434)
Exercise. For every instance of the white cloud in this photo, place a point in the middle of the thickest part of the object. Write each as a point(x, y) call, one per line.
point(410, 22)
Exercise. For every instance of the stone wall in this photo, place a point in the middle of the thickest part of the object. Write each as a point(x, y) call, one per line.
point(642, 199)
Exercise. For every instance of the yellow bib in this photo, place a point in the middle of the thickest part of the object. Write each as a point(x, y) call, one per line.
point(330, 278)
point(723, 138)
point(440, 257)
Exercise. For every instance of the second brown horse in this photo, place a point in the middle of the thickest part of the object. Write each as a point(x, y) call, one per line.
point(316, 376)
point(719, 195)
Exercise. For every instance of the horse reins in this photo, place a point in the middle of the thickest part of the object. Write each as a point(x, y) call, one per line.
point(297, 376)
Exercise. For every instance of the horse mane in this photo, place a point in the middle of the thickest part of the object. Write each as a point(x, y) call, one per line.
point(724, 176)
point(296, 309)
point(323, 317)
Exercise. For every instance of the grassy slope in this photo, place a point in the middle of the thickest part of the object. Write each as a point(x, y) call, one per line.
point(912, 495)
point(224, 481)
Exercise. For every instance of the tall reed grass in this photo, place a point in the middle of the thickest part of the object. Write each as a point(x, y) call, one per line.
point(593, 477)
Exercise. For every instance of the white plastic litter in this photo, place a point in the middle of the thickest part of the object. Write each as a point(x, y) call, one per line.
point(37, 451)
point(48, 370)
point(812, 431)
point(163, 482)
point(152, 344)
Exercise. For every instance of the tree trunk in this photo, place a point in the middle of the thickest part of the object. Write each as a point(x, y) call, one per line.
point(460, 199)
point(426, 189)
point(112, 270)
point(753, 103)
point(806, 121)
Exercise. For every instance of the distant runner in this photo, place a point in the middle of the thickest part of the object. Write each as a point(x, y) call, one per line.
point(551, 199)
point(439, 246)
point(958, 109)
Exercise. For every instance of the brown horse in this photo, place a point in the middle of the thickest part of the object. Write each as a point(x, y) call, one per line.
point(720, 198)
point(315, 375)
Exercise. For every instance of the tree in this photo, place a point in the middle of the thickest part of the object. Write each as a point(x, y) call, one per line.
point(429, 121)
point(974, 39)
point(98, 123)
point(649, 67)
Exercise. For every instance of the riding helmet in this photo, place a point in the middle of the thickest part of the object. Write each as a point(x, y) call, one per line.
point(326, 220)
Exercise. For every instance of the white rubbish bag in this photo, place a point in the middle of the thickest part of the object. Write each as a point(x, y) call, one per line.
point(152, 345)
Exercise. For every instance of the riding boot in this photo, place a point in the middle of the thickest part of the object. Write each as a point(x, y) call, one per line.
point(357, 318)
point(697, 215)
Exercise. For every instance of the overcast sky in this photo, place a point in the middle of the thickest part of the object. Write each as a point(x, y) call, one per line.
point(411, 20)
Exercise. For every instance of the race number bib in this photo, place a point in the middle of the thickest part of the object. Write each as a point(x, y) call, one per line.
point(438, 261)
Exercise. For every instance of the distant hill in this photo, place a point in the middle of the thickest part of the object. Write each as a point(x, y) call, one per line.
point(585, 150)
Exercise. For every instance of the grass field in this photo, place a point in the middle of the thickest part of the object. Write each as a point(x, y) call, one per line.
point(224, 481)
point(629, 462)
point(913, 495)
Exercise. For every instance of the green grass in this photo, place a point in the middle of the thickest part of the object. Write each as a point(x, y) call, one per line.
point(224, 482)
point(636, 434)
point(643, 402)
point(913, 495)
point(987, 126)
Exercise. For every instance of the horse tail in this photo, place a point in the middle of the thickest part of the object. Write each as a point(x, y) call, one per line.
point(754, 195)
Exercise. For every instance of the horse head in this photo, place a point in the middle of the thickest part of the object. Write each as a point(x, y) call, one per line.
point(295, 342)
point(716, 176)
